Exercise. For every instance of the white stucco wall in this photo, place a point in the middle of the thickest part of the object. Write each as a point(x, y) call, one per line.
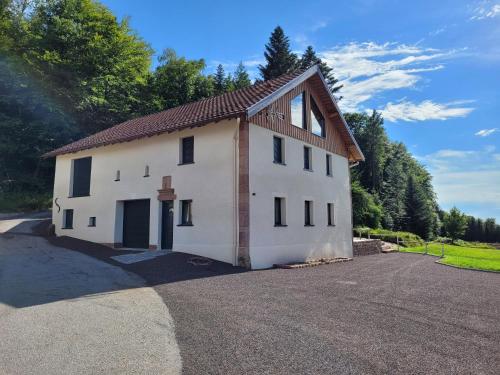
point(209, 182)
point(295, 242)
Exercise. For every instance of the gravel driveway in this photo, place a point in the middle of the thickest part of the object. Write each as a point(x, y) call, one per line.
point(62, 312)
point(379, 314)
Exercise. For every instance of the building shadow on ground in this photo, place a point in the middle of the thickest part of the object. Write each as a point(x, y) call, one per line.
point(32, 273)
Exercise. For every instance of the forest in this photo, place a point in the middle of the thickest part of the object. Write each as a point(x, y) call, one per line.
point(70, 68)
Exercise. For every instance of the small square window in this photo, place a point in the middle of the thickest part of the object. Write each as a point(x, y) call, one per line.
point(186, 213)
point(307, 158)
point(92, 221)
point(330, 214)
point(279, 212)
point(328, 165)
point(278, 150)
point(187, 150)
point(67, 219)
point(308, 213)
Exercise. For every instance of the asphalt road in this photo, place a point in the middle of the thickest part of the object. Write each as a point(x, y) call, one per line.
point(62, 312)
point(379, 314)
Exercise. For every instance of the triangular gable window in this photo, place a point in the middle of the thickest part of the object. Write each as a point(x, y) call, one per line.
point(298, 105)
point(317, 120)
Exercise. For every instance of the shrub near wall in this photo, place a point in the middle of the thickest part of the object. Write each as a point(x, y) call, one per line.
point(406, 239)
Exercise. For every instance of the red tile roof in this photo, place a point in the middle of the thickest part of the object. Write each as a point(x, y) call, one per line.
point(202, 112)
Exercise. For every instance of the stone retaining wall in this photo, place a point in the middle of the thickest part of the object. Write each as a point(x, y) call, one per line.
point(367, 247)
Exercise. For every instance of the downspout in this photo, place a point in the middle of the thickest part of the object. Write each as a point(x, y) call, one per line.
point(236, 216)
point(352, 165)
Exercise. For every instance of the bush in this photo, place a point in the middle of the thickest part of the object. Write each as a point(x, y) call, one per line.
point(476, 245)
point(406, 239)
point(24, 202)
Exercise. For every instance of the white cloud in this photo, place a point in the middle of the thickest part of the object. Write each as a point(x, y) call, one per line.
point(319, 25)
point(368, 69)
point(447, 153)
point(438, 31)
point(486, 9)
point(426, 110)
point(467, 179)
point(486, 132)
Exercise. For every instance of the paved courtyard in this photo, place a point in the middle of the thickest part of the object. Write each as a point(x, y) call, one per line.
point(62, 312)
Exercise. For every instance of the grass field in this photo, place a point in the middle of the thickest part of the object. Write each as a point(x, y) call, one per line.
point(478, 258)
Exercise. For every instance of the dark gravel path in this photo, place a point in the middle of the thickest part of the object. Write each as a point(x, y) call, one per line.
point(379, 314)
point(398, 313)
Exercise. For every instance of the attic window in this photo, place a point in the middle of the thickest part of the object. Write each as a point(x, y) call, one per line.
point(317, 120)
point(299, 111)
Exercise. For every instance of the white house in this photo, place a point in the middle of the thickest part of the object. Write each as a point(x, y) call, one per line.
point(253, 177)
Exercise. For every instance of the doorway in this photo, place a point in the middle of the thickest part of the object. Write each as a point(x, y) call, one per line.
point(136, 224)
point(167, 224)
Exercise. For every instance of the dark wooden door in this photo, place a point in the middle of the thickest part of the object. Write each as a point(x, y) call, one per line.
point(167, 224)
point(136, 224)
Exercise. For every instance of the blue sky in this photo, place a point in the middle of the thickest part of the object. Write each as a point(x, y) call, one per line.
point(432, 68)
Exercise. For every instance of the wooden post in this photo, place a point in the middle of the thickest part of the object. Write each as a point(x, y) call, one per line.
point(442, 249)
point(397, 240)
point(426, 248)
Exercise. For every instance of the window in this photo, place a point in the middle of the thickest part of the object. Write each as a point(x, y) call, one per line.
point(146, 171)
point(186, 215)
point(81, 177)
point(317, 120)
point(328, 165)
point(92, 221)
point(308, 214)
point(330, 214)
point(279, 212)
point(187, 150)
point(307, 158)
point(117, 177)
point(279, 155)
point(67, 219)
point(299, 111)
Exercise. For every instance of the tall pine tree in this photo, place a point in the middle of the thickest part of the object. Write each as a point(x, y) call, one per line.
point(279, 57)
point(418, 211)
point(309, 58)
point(220, 80)
point(241, 78)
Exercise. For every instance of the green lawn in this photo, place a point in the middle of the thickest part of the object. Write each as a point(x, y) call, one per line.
point(463, 256)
